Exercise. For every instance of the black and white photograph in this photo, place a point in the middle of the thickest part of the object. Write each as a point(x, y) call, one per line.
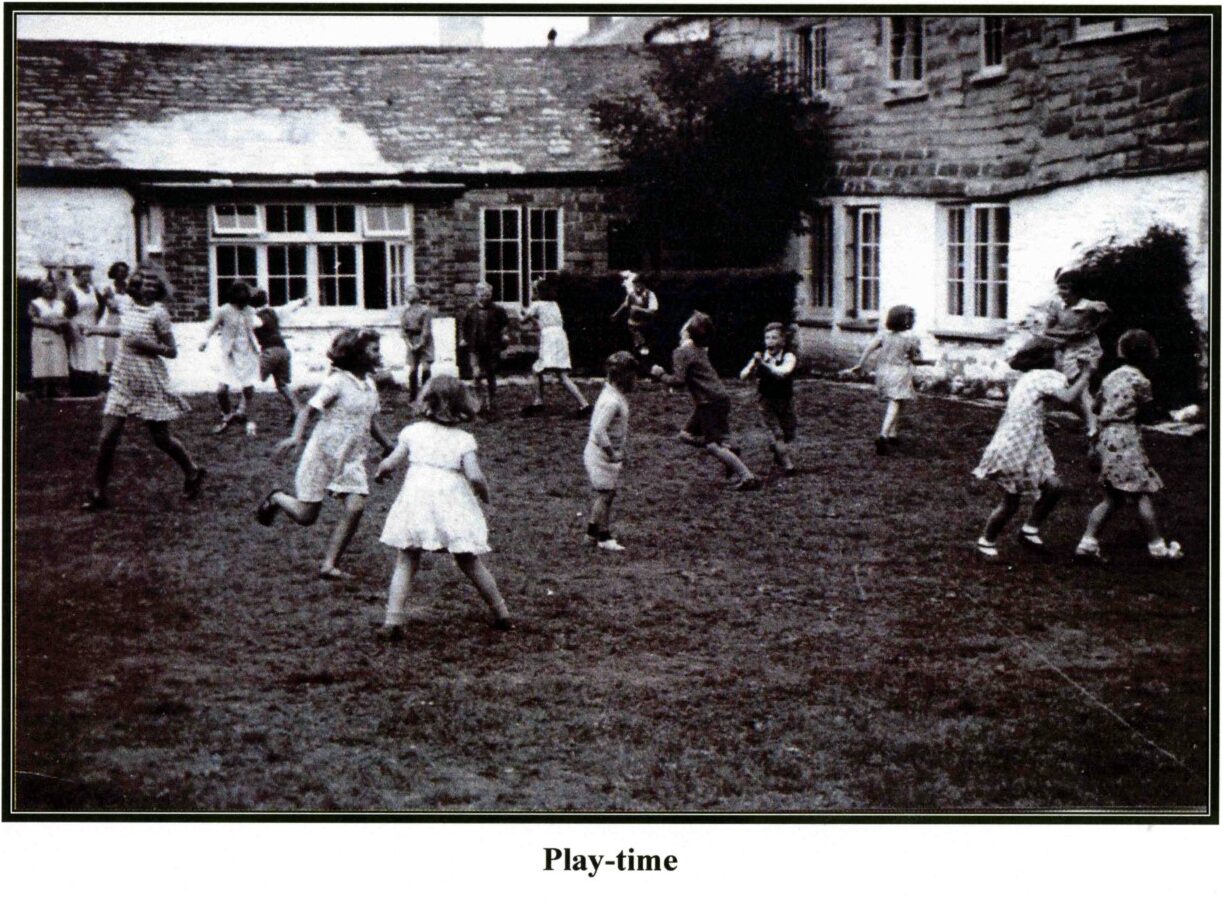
point(763, 414)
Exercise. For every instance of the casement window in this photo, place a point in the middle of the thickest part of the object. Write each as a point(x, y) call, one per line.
point(977, 261)
point(803, 56)
point(343, 255)
point(905, 43)
point(1087, 27)
point(992, 43)
point(861, 261)
point(821, 259)
point(520, 244)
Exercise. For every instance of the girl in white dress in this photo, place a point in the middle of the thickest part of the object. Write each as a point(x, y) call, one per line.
point(48, 348)
point(605, 447)
point(437, 509)
point(334, 459)
point(553, 352)
point(84, 310)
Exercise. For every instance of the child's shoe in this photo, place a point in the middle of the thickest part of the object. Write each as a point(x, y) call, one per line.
point(226, 421)
point(266, 513)
point(1088, 551)
point(390, 633)
point(95, 503)
point(986, 548)
point(192, 485)
point(881, 445)
point(502, 624)
point(746, 484)
point(610, 544)
point(1030, 536)
point(1165, 550)
point(251, 429)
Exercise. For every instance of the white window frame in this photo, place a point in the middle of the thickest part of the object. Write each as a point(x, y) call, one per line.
point(964, 268)
point(1116, 25)
point(220, 228)
point(795, 50)
point(999, 66)
point(818, 58)
point(904, 80)
point(524, 270)
point(398, 244)
point(856, 254)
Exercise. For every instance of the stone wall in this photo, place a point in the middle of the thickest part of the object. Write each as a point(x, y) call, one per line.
point(64, 227)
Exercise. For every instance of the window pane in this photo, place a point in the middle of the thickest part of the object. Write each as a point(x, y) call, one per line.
point(285, 218)
point(326, 218)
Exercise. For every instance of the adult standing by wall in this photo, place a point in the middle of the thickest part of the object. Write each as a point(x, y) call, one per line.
point(112, 298)
point(416, 323)
point(483, 328)
point(84, 310)
point(48, 347)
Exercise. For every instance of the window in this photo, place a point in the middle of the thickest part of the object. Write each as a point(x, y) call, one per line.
point(862, 286)
point(818, 46)
point(1105, 26)
point(285, 218)
point(797, 60)
point(977, 261)
point(905, 37)
point(235, 262)
point(335, 253)
point(821, 258)
point(992, 45)
point(236, 218)
point(387, 219)
point(513, 257)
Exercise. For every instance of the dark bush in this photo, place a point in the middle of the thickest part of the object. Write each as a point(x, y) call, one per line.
point(740, 302)
point(1146, 284)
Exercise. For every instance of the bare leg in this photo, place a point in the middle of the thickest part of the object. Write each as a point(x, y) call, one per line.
point(286, 393)
point(726, 457)
point(1098, 518)
point(407, 564)
point(891, 420)
point(301, 512)
point(354, 507)
point(1148, 518)
point(1001, 515)
point(473, 568)
point(112, 430)
point(222, 399)
point(171, 445)
point(538, 400)
point(574, 390)
point(1050, 495)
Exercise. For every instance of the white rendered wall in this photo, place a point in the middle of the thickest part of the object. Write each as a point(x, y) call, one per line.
point(907, 256)
point(73, 226)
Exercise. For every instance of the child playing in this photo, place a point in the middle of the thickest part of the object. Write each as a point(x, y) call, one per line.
point(604, 453)
point(1125, 472)
point(140, 386)
point(774, 369)
point(710, 422)
point(436, 509)
point(275, 360)
point(553, 352)
point(483, 331)
point(1018, 457)
point(48, 346)
point(898, 352)
point(416, 323)
point(642, 307)
point(239, 357)
point(1072, 325)
point(334, 459)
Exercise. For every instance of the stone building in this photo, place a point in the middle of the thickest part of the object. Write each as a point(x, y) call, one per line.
point(341, 174)
point(973, 156)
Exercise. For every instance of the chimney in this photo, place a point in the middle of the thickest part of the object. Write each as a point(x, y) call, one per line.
point(460, 31)
point(551, 38)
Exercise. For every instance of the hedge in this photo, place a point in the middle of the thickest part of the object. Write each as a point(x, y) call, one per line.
point(740, 302)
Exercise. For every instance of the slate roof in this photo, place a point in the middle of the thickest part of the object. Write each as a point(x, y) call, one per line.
point(93, 105)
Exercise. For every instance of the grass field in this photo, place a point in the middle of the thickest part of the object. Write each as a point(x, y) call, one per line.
point(829, 643)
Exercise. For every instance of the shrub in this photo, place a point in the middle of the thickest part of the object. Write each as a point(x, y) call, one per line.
point(1146, 286)
point(740, 302)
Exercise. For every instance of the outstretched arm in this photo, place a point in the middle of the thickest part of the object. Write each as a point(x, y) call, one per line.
point(749, 369)
point(213, 326)
point(375, 431)
point(391, 461)
point(865, 355)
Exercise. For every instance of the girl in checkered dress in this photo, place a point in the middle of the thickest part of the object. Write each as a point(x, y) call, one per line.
point(140, 385)
point(1018, 458)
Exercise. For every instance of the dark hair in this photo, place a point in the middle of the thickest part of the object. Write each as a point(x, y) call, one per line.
point(349, 345)
point(81, 268)
point(619, 365)
point(446, 400)
point(239, 291)
point(700, 328)
point(1039, 353)
point(114, 269)
point(259, 297)
point(1072, 278)
point(1138, 348)
point(900, 317)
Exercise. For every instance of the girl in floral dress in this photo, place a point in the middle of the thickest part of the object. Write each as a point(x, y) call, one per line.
point(1125, 472)
point(438, 507)
point(898, 351)
point(140, 386)
point(1018, 458)
point(334, 459)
